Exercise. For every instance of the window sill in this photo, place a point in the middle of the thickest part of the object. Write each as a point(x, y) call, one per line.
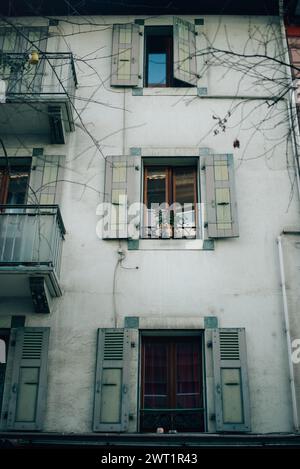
point(188, 91)
point(171, 245)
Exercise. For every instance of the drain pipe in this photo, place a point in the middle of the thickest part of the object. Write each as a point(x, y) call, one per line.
point(288, 335)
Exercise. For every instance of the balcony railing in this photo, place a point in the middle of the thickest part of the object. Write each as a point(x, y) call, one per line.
point(53, 74)
point(31, 235)
point(173, 420)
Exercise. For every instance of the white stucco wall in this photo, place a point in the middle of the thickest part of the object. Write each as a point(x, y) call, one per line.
point(238, 282)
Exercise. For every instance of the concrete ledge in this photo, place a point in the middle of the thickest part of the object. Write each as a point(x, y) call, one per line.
point(207, 440)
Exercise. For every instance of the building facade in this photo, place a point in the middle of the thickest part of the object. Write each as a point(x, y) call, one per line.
point(147, 171)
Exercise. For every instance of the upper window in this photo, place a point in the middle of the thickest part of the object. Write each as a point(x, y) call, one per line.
point(170, 201)
point(159, 57)
point(169, 55)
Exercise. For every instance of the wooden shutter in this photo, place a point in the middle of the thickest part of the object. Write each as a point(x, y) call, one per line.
point(221, 205)
point(232, 406)
point(29, 346)
point(111, 382)
point(46, 180)
point(122, 177)
point(185, 64)
point(125, 55)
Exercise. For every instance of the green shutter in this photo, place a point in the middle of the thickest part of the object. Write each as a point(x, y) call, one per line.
point(111, 402)
point(46, 180)
point(221, 204)
point(185, 64)
point(232, 406)
point(29, 346)
point(125, 55)
point(122, 190)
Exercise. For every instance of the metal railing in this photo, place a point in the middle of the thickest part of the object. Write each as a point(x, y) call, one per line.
point(31, 235)
point(173, 420)
point(53, 74)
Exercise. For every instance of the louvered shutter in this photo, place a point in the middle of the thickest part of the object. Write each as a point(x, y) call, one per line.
point(221, 204)
point(185, 64)
point(231, 380)
point(26, 407)
point(46, 180)
point(111, 381)
point(122, 180)
point(125, 55)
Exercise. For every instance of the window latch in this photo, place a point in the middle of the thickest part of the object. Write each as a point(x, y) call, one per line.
point(222, 203)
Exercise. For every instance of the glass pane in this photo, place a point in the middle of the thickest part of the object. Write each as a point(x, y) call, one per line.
point(9, 41)
point(185, 202)
point(156, 186)
point(157, 69)
point(110, 411)
point(155, 379)
point(188, 384)
point(232, 395)
point(27, 394)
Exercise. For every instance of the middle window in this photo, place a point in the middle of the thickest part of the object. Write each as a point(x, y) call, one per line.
point(170, 202)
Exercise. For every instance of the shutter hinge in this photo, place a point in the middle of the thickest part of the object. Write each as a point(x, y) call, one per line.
point(203, 167)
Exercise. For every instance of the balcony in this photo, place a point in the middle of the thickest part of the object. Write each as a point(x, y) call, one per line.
point(37, 98)
point(31, 238)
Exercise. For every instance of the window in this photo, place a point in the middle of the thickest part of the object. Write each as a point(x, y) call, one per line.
point(172, 384)
point(169, 55)
point(170, 201)
point(14, 180)
point(159, 57)
point(164, 201)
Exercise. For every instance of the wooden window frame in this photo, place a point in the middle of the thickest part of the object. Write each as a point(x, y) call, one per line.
point(170, 190)
point(172, 341)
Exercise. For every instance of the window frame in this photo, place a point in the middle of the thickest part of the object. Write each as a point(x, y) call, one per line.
point(170, 164)
point(171, 81)
point(171, 336)
point(5, 176)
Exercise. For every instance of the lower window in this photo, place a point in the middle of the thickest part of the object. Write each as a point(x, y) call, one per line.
point(172, 384)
